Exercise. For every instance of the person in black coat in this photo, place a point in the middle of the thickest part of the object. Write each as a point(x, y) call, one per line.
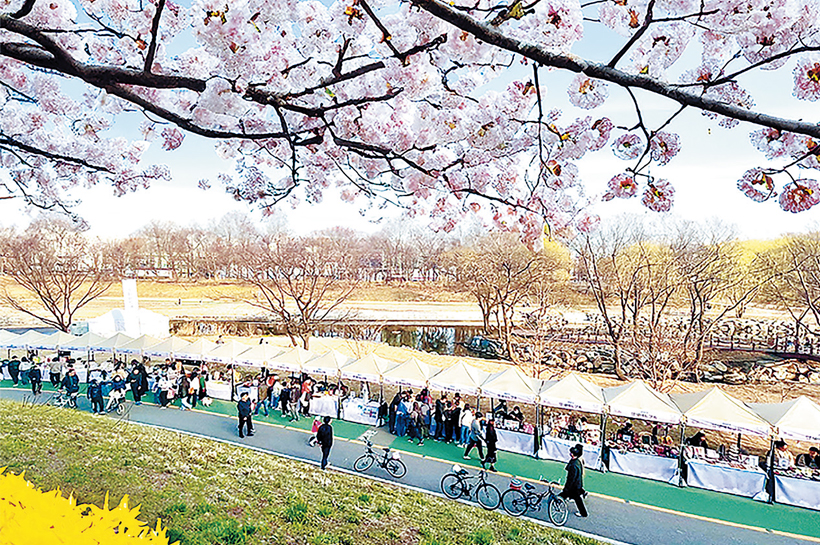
point(243, 408)
point(574, 489)
point(95, 394)
point(14, 370)
point(438, 417)
point(491, 438)
point(324, 436)
point(36, 378)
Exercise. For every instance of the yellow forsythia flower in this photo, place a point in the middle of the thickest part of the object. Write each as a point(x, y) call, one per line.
point(29, 516)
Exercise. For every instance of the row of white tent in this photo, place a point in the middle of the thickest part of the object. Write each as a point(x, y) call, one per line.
point(712, 409)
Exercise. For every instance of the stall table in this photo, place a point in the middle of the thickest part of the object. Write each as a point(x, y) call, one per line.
point(746, 482)
point(515, 441)
point(324, 406)
point(553, 448)
point(647, 466)
point(356, 409)
point(218, 390)
point(799, 492)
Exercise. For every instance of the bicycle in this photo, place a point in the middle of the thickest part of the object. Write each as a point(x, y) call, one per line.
point(60, 399)
point(390, 461)
point(516, 502)
point(460, 483)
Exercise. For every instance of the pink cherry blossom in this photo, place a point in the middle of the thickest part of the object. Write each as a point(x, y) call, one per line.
point(622, 186)
point(757, 185)
point(587, 93)
point(771, 142)
point(664, 146)
point(659, 196)
point(800, 195)
point(628, 146)
point(173, 138)
point(807, 78)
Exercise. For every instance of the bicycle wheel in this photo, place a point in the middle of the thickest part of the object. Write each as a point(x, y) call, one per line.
point(487, 496)
point(120, 408)
point(514, 502)
point(363, 462)
point(396, 468)
point(557, 510)
point(451, 486)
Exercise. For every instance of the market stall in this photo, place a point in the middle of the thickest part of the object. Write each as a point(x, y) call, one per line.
point(643, 455)
point(55, 341)
point(732, 472)
point(28, 340)
point(112, 344)
point(137, 346)
point(226, 353)
point(84, 343)
point(167, 348)
point(327, 365)
point(258, 355)
point(512, 385)
point(797, 420)
point(571, 393)
point(196, 350)
point(291, 361)
point(369, 369)
point(459, 377)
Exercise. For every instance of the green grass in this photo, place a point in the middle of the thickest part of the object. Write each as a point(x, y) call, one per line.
point(211, 493)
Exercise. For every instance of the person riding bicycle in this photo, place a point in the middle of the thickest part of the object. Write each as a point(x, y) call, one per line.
point(71, 385)
point(117, 394)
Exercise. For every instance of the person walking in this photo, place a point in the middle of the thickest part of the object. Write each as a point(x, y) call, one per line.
point(491, 437)
point(95, 395)
point(14, 370)
point(36, 378)
point(243, 408)
point(438, 417)
point(55, 368)
point(466, 421)
point(574, 489)
point(474, 437)
point(325, 439)
point(71, 385)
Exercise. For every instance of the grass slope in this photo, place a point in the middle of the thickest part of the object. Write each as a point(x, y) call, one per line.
point(211, 493)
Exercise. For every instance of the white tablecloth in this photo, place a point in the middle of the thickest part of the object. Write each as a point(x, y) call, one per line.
point(324, 406)
point(749, 483)
point(644, 465)
point(553, 448)
point(515, 441)
point(799, 492)
point(356, 409)
point(218, 390)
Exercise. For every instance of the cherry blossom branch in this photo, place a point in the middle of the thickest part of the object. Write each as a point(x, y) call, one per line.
point(24, 10)
point(8, 141)
point(635, 37)
point(152, 49)
point(576, 64)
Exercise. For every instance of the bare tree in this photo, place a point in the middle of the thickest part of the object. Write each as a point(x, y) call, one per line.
point(303, 281)
point(57, 266)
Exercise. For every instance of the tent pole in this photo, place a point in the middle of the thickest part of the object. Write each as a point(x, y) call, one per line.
point(770, 472)
point(681, 461)
point(233, 386)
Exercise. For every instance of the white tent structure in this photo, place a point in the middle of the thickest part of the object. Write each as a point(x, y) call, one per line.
point(369, 369)
point(56, 341)
point(513, 385)
point(459, 377)
point(113, 343)
point(117, 321)
point(291, 360)
point(798, 419)
point(258, 356)
point(138, 345)
point(573, 393)
point(7, 337)
point(227, 352)
point(329, 363)
point(196, 350)
point(714, 409)
point(83, 343)
point(29, 339)
point(167, 348)
point(412, 373)
point(638, 400)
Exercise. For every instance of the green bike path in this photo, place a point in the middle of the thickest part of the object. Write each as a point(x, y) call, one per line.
point(693, 502)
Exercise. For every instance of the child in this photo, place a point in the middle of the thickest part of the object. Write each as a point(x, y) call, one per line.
point(96, 396)
point(317, 421)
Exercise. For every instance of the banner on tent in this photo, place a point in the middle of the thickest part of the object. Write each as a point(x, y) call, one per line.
point(570, 405)
point(521, 398)
point(718, 425)
point(666, 418)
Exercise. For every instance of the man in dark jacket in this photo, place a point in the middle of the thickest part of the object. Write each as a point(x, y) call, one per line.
point(491, 437)
point(95, 395)
point(574, 489)
point(36, 378)
point(324, 436)
point(71, 385)
point(243, 408)
point(14, 370)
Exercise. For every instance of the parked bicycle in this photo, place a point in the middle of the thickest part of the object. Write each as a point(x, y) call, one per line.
point(460, 483)
point(61, 399)
point(516, 502)
point(390, 460)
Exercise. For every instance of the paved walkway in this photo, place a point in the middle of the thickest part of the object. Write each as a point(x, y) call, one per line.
point(623, 509)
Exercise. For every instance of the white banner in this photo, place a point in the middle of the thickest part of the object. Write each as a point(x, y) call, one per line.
point(799, 492)
point(646, 466)
point(748, 483)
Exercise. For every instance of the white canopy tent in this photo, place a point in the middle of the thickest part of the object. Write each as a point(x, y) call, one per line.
point(196, 350)
point(798, 419)
point(258, 355)
point(369, 369)
point(227, 352)
point(30, 339)
point(412, 373)
point(638, 400)
point(513, 385)
point(83, 343)
point(714, 409)
point(112, 344)
point(329, 363)
point(138, 345)
point(167, 348)
point(291, 360)
point(573, 393)
point(459, 377)
point(7, 337)
point(56, 341)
